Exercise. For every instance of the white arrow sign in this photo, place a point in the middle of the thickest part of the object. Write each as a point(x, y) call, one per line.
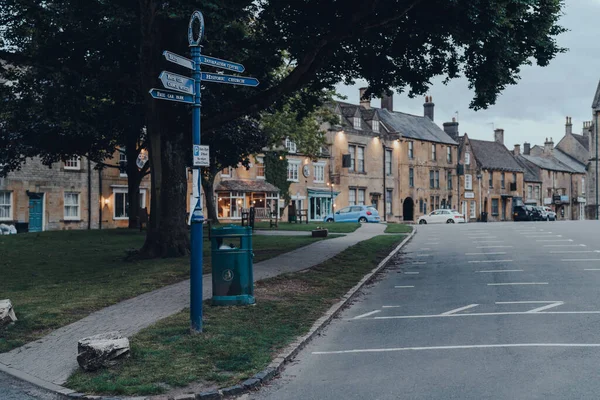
point(177, 59)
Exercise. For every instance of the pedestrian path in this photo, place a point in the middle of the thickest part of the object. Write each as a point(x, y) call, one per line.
point(53, 358)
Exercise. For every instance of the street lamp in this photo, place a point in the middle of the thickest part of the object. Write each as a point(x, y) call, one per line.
point(331, 192)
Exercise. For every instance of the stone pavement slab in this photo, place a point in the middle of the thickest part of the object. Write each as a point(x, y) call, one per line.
point(53, 358)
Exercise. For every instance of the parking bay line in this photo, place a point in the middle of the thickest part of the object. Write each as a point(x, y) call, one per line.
point(555, 240)
point(493, 247)
point(484, 314)
point(565, 245)
point(419, 262)
point(367, 314)
point(517, 283)
point(500, 270)
point(403, 287)
point(581, 259)
point(488, 261)
point(458, 347)
point(575, 251)
point(592, 269)
point(411, 273)
point(495, 253)
point(460, 309)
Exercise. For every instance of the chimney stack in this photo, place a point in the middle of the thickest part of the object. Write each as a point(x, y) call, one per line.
point(366, 103)
point(548, 147)
point(517, 150)
point(526, 148)
point(587, 126)
point(387, 102)
point(451, 129)
point(428, 107)
point(568, 127)
point(499, 135)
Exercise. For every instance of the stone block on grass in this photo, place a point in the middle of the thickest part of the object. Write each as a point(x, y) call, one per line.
point(7, 312)
point(103, 350)
point(320, 233)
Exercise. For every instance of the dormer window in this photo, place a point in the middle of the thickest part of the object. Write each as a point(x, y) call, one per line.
point(290, 145)
point(375, 125)
point(356, 123)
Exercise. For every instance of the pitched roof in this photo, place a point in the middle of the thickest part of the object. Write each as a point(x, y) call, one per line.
point(494, 155)
point(414, 126)
point(569, 161)
point(548, 162)
point(239, 185)
point(583, 140)
point(531, 172)
point(596, 102)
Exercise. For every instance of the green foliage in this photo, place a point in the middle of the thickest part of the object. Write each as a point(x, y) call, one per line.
point(276, 173)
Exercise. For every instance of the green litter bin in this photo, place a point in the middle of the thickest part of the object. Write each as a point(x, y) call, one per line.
point(231, 259)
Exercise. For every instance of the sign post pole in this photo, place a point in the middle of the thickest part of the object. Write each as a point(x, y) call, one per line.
point(197, 216)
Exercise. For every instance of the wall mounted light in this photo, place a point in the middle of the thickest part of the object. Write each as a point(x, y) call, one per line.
point(107, 201)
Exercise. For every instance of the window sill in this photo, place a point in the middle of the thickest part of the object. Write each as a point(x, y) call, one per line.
point(318, 181)
point(71, 220)
point(293, 180)
point(260, 177)
point(120, 218)
point(358, 173)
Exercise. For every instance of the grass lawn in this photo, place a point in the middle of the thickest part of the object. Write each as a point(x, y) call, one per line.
point(55, 278)
point(398, 228)
point(237, 341)
point(339, 227)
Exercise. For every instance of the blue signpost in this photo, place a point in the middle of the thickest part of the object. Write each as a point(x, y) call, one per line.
point(186, 90)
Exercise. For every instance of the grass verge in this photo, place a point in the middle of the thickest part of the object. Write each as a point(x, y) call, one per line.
point(398, 228)
point(55, 278)
point(339, 227)
point(237, 341)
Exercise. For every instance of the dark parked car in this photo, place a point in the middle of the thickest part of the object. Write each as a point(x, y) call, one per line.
point(537, 213)
point(522, 213)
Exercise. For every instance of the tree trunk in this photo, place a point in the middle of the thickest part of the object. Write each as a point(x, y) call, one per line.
point(208, 183)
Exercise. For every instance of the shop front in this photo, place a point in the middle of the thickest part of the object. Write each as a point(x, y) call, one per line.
point(236, 196)
point(320, 203)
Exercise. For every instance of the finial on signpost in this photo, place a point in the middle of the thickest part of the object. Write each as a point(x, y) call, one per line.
point(195, 41)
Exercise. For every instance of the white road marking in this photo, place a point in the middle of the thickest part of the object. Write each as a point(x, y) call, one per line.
point(565, 245)
point(367, 314)
point(493, 247)
point(502, 270)
point(581, 259)
point(459, 309)
point(426, 248)
point(517, 283)
point(592, 269)
point(483, 237)
point(465, 347)
point(488, 261)
point(487, 241)
point(482, 254)
point(574, 251)
point(419, 262)
point(434, 242)
point(411, 273)
point(547, 307)
point(403, 287)
point(555, 240)
point(488, 314)
point(391, 306)
point(422, 255)
point(545, 236)
point(529, 302)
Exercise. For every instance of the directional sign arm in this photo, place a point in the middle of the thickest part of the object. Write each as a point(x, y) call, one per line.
point(229, 79)
point(219, 63)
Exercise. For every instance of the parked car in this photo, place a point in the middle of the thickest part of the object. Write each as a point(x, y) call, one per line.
point(442, 217)
point(548, 214)
point(537, 213)
point(523, 213)
point(354, 214)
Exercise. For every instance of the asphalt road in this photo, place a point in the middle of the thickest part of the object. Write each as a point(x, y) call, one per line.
point(14, 389)
point(476, 311)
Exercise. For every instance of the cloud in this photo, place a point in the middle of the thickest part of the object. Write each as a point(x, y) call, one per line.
point(536, 107)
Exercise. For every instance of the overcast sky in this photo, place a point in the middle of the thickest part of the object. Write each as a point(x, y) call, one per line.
point(536, 107)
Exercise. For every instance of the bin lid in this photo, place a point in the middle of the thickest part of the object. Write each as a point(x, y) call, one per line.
point(231, 230)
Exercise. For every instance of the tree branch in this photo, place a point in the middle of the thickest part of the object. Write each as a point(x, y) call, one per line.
point(305, 70)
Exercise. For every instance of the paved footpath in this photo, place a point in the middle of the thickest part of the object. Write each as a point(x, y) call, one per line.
point(53, 358)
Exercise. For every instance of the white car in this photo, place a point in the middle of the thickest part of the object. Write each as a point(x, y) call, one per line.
point(442, 217)
point(548, 214)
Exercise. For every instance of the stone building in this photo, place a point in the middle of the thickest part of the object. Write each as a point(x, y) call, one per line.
point(532, 183)
point(491, 179)
point(563, 179)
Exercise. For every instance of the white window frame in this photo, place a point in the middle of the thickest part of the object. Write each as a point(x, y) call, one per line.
point(433, 152)
point(352, 197)
point(388, 161)
point(468, 182)
point(388, 201)
point(9, 204)
point(467, 158)
point(375, 126)
point(294, 168)
point(473, 209)
point(319, 177)
point(226, 175)
point(536, 192)
point(356, 123)
point(122, 157)
point(411, 150)
point(65, 205)
point(360, 168)
point(290, 145)
point(260, 165)
point(582, 186)
point(125, 191)
point(449, 154)
point(73, 164)
point(361, 195)
point(529, 192)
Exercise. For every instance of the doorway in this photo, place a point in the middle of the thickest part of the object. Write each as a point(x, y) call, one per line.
point(36, 212)
point(408, 209)
point(319, 208)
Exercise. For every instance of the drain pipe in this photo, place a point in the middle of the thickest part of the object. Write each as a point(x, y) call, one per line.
point(89, 190)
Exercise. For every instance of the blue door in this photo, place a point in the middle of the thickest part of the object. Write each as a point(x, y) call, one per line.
point(35, 214)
